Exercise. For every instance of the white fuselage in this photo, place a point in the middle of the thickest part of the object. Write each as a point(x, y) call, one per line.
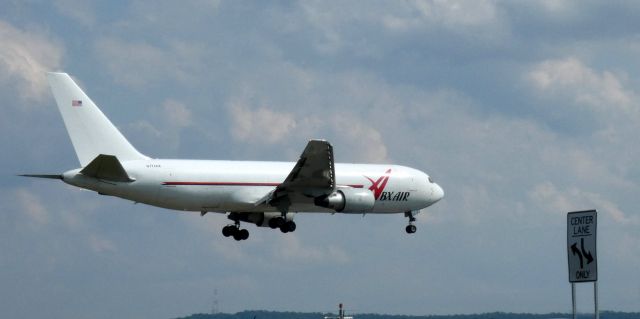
point(239, 186)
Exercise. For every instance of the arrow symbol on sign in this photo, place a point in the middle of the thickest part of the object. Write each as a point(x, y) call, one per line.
point(585, 253)
point(575, 250)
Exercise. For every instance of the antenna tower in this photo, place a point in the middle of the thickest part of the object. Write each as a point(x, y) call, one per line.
point(215, 308)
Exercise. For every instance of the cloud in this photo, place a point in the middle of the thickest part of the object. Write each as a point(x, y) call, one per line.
point(327, 24)
point(602, 92)
point(554, 201)
point(450, 14)
point(559, 7)
point(176, 113)
point(291, 249)
point(349, 29)
point(283, 251)
point(588, 166)
point(626, 249)
point(78, 10)
point(140, 64)
point(164, 125)
point(25, 56)
point(147, 129)
point(261, 124)
point(101, 245)
point(265, 246)
point(584, 103)
point(481, 22)
point(30, 204)
point(561, 201)
point(365, 142)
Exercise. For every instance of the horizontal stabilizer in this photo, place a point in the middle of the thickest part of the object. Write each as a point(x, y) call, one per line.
point(106, 167)
point(50, 176)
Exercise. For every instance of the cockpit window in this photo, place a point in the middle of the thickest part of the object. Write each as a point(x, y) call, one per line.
point(430, 180)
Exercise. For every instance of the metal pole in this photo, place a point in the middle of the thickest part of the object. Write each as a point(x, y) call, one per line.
point(573, 299)
point(595, 298)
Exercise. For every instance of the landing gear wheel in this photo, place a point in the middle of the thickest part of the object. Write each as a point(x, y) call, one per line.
point(229, 230)
point(276, 222)
point(241, 234)
point(411, 229)
point(291, 226)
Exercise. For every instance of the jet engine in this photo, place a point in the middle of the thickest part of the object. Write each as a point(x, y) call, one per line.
point(348, 200)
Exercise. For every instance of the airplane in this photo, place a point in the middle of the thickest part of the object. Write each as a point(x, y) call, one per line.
point(267, 194)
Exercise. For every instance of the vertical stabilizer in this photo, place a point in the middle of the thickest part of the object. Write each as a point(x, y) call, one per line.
point(90, 130)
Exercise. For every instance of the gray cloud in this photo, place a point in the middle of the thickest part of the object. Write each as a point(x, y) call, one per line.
point(25, 56)
point(140, 64)
point(602, 92)
point(260, 126)
point(82, 12)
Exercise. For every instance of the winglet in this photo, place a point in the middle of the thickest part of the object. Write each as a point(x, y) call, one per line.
point(106, 167)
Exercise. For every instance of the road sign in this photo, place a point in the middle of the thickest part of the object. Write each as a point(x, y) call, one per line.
point(581, 246)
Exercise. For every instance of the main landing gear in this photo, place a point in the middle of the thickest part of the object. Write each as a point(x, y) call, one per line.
point(286, 226)
point(273, 220)
point(235, 231)
point(411, 228)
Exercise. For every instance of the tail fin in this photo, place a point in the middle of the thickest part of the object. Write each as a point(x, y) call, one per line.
point(90, 130)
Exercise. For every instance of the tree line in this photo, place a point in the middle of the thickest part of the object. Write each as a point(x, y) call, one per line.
point(261, 314)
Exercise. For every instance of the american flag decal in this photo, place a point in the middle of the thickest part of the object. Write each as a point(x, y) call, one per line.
point(76, 103)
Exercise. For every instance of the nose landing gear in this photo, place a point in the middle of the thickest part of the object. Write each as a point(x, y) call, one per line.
point(411, 228)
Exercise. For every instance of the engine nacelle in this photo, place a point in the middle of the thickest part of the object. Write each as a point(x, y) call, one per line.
point(260, 219)
point(348, 200)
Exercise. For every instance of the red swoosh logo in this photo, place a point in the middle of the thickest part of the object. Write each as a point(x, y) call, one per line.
point(377, 186)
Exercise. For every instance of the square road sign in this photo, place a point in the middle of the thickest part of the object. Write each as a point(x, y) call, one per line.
point(581, 246)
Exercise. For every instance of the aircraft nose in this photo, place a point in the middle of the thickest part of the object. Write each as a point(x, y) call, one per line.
point(437, 193)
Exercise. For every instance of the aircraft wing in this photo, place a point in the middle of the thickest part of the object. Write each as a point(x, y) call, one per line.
point(312, 176)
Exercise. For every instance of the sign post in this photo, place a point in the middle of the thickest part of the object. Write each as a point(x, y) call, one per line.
point(581, 253)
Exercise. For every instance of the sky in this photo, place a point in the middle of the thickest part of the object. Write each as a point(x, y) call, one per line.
point(521, 111)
